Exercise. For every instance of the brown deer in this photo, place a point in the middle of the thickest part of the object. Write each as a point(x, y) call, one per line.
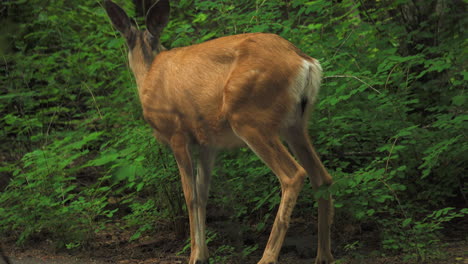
point(248, 89)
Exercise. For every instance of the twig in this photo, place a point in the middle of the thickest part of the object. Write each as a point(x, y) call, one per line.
point(390, 74)
point(354, 77)
point(342, 43)
point(49, 127)
point(403, 212)
point(94, 99)
point(361, 153)
point(390, 154)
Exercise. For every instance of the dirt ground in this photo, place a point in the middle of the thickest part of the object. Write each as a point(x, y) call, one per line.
point(456, 253)
point(112, 246)
point(163, 250)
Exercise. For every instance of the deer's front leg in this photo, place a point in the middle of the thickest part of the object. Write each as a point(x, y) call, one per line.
point(180, 147)
point(204, 167)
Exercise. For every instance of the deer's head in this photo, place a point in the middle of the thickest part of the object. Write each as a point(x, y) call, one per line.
point(143, 45)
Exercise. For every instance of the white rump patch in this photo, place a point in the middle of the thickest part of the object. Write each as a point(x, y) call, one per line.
point(305, 86)
point(307, 82)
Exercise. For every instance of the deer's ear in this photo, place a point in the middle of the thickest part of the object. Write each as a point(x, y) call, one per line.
point(158, 17)
point(119, 18)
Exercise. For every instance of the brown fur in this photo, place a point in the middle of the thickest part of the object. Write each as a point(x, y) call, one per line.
point(245, 89)
point(217, 79)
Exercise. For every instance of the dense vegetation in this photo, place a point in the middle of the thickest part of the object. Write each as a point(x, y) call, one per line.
point(390, 124)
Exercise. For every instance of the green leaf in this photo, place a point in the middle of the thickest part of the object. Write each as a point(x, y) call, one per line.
point(406, 222)
point(459, 100)
point(140, 186)
point(200, 18)
point(104, 159)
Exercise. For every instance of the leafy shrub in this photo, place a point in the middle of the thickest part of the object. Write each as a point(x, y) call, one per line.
point(389, 124)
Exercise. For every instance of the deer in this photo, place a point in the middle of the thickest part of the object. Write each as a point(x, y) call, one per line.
point(254, 90)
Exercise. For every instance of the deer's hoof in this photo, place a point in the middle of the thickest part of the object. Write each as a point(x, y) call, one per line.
point(325, 261)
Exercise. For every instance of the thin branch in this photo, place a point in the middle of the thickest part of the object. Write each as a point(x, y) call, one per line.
point(390, 154)
point(361, 153)
point(354, 77)
point(94, 99)
point(390, 74)
point(403, 212)
point(342, 43)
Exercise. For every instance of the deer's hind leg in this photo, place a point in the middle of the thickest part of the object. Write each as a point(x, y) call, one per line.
point(298, 140)
point(267, 145)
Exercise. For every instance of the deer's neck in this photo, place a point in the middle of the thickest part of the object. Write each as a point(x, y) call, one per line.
point(141, 66)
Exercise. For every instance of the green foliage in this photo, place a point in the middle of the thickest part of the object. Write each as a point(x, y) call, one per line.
point(222, 254)
point(390, 123)
point(44, 193)
point(419, 239)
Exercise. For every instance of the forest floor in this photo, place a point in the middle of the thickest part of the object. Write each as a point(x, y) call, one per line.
point(454, 253)
point(113, 247)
